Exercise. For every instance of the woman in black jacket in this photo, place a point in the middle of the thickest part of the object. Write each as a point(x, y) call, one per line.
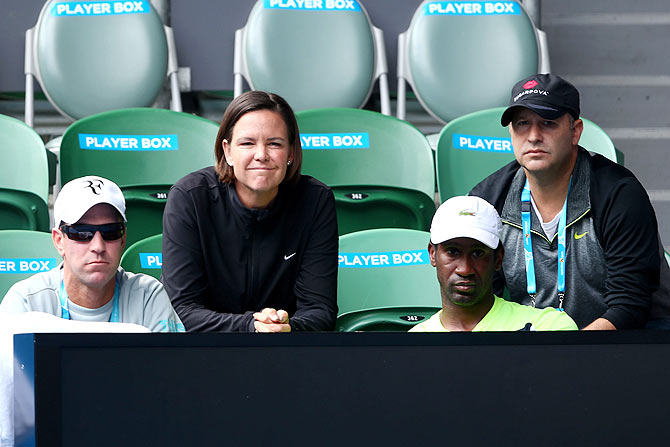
point(251, 244)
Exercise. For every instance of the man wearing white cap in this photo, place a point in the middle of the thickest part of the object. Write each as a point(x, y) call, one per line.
point(89, 285)
point(465, 249)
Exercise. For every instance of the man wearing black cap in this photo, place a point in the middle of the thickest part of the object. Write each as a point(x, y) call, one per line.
point(583, 224)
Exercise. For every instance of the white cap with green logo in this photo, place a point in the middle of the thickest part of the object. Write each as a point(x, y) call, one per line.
point(466, 216)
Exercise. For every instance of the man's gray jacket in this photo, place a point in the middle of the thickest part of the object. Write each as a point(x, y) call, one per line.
point(615, 268)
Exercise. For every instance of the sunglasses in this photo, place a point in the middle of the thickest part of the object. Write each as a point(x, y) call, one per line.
point(85, 233)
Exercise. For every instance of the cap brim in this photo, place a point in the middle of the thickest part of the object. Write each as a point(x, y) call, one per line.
point(77, 213)
point(550, 113)
point(485, 237)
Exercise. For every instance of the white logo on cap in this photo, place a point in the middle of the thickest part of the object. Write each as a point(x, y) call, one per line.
point(95, 185)
point(530, 92)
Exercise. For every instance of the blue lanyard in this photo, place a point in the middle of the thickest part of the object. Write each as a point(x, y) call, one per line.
point(531, 286)
point(65, 310)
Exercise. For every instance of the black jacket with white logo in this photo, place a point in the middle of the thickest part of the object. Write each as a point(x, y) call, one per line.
point(222, 262)
point(614, 259)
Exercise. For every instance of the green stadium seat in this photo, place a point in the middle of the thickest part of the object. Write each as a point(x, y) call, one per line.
point(380, 168)
point(458, 61)
point(385, 280)
point(24, 178)
point(313, 57)
point(475, 145)
point(144, 256)
point(596, 140)
point(145, 151)
point(87, 60)
point(24, 253)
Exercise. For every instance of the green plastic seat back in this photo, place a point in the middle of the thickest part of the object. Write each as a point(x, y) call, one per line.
point(473, 146)
point(596, 140)
point(469, 149)
point(380, 168)
point(385, 280)
point(667, 257)
point(90, 62)
point(24, 253)
point(24, 177)
point(144, 256)
point(313, 58)
point(460, 63)
point(145, 151)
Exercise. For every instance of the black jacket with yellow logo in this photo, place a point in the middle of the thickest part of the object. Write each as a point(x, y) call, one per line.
point(615, 268)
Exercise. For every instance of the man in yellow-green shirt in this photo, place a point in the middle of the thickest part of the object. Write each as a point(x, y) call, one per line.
point(465, 249)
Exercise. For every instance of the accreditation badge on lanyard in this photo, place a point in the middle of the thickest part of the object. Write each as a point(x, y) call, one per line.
point(531, 286)
point(65, 308)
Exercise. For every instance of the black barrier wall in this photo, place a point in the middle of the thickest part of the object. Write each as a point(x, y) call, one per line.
point(342, 389)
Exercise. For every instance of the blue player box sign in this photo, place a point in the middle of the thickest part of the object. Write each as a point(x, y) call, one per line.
point(128, 142)
point(335, 140)
point(471, 8)
point(315, 5)
point(100, 8)
point(35, 265)
point(383, 259)
point(481, 143)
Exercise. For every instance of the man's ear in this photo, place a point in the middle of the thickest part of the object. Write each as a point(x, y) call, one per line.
point(578, 128)
point(500, 254)
point(431, 254)
point(57, 237)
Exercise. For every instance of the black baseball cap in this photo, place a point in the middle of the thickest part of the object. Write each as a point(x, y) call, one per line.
point(548, 95)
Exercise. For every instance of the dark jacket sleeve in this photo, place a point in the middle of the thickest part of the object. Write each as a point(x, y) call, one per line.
point(316, 282)
point(628, 233)
point(184, 274)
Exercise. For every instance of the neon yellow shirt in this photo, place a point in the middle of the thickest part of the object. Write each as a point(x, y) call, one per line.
point(509, 316)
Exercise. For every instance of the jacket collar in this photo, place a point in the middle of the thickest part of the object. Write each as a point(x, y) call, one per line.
point(579, 195)
point(254, 214)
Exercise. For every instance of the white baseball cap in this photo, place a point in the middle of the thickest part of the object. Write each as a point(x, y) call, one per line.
point(82, 194)
point(466, 216)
